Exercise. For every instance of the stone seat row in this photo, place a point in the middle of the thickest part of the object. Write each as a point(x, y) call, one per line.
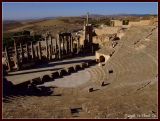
point(56, 74)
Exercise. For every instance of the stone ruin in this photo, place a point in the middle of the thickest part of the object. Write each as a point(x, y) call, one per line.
point(26, 53)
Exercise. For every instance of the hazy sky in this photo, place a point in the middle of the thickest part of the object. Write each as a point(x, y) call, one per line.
point(27, 10)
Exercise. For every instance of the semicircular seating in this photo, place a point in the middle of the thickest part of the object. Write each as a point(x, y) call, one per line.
point(97, 75)
point(129, 65)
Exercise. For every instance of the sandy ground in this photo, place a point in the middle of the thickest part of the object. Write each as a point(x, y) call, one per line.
point(73, 80)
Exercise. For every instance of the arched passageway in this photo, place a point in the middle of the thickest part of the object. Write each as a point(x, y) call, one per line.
point(101, 58)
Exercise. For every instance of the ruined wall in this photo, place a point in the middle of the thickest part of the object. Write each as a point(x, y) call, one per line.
point(116, 23)
point(104, 34)
point(100, 39)
point(136, 23)
point(106, 30)
point(140, 23)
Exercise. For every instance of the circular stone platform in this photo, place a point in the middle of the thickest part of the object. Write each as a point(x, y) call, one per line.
point(73, 80)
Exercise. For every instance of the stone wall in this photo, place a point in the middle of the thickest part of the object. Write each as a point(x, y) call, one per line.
point(118, 23)
point(140, 23)
point(106, 30)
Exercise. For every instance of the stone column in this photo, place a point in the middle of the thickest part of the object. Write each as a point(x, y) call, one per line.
point(46, 40)
point(32, 50)
point(22, 53)
point(55, 45)
point(63, 48)
point(66, 44)
point(49, 52)
point(53, 52)
point(87, 18)
point(90, 34)
point(85, 33)
point(16, 56)
point(52, 47)
point(36, 55)
point(71, 44)
point(27, 51)
point(59, 46)
point(40, 51)
point(77, 44)
point(55, 48)
point(8, 59)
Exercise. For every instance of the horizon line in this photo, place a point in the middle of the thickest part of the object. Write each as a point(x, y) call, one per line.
point(34, 18)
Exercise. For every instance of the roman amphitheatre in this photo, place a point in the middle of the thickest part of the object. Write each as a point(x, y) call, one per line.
point(77, 69)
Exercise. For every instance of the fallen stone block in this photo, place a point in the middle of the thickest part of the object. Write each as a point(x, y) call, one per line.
point(84, 65)
point(92, 62)
point(23, 85)
point(46, 78)
point(37, 81)
point(56, 74)
point(104, 84)
point(90, 89)
point(70, 70)
point(63, 72)
point(110, 71)
point(77, 67)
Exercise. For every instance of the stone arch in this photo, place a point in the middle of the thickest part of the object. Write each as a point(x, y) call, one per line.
point(101, 58)
point(70, 70)
point(37, 81)
point(78, 67)
point(64, 72)
point(84, 65)
point(46, 78)
point(56, 74)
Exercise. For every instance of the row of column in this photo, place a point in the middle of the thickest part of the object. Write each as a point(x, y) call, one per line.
point(63, 45)
point(51, 49)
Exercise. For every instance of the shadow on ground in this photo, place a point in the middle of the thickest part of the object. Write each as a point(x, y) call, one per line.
point(35, 71)
point(11, 90)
